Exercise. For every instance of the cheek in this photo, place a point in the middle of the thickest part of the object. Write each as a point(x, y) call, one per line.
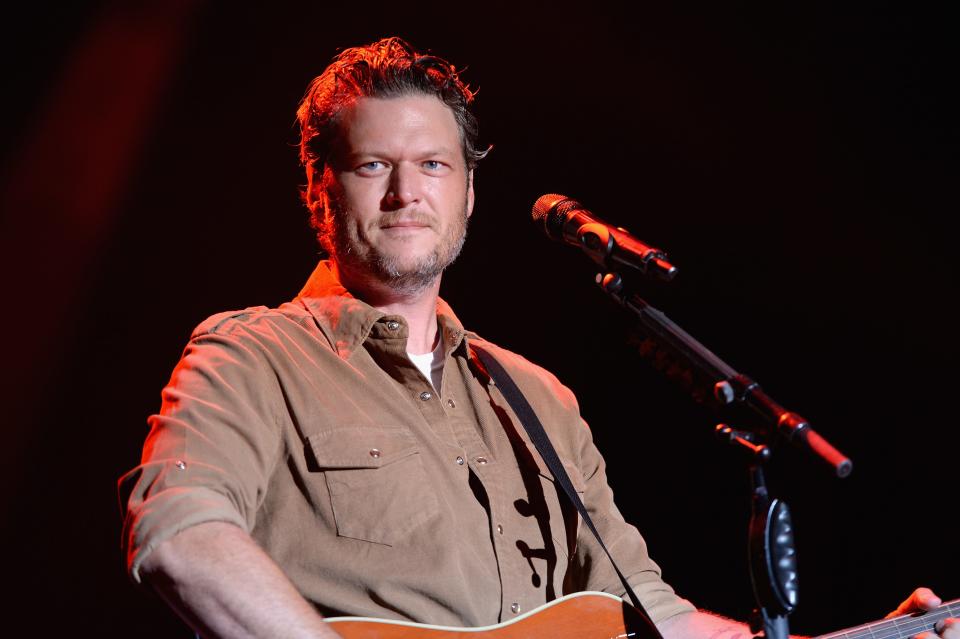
point(452, 194)
point(360, 201)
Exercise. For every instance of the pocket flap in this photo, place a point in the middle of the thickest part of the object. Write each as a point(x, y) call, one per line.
point(360, 447)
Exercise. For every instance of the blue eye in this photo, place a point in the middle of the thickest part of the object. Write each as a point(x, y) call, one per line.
point(372, 168)
point(434, 165)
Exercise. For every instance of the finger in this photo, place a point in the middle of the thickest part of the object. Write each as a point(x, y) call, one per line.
point(925, 599)
point(919, 600)
point(948, 628)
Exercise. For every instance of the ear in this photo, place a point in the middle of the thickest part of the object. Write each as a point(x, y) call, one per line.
point(470, 194)
point(314, 193)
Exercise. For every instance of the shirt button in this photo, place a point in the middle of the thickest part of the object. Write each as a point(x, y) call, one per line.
point(514, 607)
point(459, 460)
point(426, 395)
point(182, 465)
point(393, 325)
point(499, 529)
point(481, 460)
point(451, 403)
point(374, 452)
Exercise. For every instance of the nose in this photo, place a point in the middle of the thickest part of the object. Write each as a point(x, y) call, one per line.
point(403, 188)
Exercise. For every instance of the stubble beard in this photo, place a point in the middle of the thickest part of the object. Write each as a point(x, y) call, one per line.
point(392, 269)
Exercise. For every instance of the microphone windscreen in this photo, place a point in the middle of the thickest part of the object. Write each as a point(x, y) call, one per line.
point(544, 204)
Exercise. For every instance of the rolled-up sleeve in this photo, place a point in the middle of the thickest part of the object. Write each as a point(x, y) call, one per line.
point(212, 447)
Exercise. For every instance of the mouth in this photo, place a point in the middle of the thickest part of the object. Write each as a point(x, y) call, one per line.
point(405, 225)
point(405, 222)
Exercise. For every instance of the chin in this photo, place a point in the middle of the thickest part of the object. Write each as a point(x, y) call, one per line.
point(409, 272)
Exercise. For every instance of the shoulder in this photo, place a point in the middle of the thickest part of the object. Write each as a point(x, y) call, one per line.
point(228, 321)
point(243, 349)
point(251, 321)
point(254, 336)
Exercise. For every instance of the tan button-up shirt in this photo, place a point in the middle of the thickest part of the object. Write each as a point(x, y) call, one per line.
point(377, 494)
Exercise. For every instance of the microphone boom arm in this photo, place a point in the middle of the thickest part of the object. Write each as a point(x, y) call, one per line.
point(729, 386)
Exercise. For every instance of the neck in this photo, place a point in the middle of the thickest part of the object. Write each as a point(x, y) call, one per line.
point(418, 308)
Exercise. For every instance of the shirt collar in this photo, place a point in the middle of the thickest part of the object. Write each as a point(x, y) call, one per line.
point(347, 322)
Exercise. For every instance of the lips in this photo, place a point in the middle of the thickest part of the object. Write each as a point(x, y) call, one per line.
point(405, 221)
point(404, 224)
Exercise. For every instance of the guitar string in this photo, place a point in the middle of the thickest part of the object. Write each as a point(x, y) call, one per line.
point(900, 627)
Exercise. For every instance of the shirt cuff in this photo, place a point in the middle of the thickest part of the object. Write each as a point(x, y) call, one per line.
point(167, 513)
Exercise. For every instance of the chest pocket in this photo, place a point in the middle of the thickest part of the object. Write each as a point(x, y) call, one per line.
point(377, 483)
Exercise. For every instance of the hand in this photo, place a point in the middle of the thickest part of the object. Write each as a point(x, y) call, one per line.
point(922, 600)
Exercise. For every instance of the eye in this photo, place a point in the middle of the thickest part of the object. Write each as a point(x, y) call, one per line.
point(434, 166)
point(374, 166)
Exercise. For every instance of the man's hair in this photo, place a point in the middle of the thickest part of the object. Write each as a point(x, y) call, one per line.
point(389, 68)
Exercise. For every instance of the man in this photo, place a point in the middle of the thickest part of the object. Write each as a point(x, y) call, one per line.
point(346, 453)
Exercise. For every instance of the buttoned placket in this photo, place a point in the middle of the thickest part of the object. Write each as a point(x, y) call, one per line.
point(481, 391)
point(443, 412)
point(504, 539)
point(462, 406)
point(421, 391)
point(475, 454)
point(509, 604)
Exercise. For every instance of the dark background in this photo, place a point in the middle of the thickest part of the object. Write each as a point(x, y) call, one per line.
point(798, 164)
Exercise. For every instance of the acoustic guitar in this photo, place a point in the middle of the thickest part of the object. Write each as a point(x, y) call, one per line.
point(598, 615)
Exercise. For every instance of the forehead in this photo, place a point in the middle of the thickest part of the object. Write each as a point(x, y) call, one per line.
point(411, 123)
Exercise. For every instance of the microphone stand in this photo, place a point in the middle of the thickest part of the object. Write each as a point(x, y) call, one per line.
point(773, 558)
point(772, 555)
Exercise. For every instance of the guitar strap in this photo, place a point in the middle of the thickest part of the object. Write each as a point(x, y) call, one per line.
point(531, 423)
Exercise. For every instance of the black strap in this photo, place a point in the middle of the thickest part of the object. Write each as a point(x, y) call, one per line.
point(531, 423)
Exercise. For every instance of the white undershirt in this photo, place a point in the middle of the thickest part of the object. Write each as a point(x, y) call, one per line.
point(430, 364)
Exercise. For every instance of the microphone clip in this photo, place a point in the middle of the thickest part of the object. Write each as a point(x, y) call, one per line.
point(608, 247)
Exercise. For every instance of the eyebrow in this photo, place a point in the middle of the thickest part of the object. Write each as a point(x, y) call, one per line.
point(442, 151)
point(378, 153)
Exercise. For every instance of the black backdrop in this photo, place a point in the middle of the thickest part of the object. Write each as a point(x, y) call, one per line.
point(793, 161)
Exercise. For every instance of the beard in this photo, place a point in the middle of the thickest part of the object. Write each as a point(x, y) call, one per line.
point(407, 275)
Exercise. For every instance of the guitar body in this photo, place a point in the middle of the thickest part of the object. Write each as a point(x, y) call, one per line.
point(597, 615)
point(582, 615)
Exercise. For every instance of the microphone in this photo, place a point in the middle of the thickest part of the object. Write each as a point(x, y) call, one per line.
point(565, 220)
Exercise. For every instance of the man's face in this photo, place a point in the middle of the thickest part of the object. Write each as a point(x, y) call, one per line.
point(398, 192)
